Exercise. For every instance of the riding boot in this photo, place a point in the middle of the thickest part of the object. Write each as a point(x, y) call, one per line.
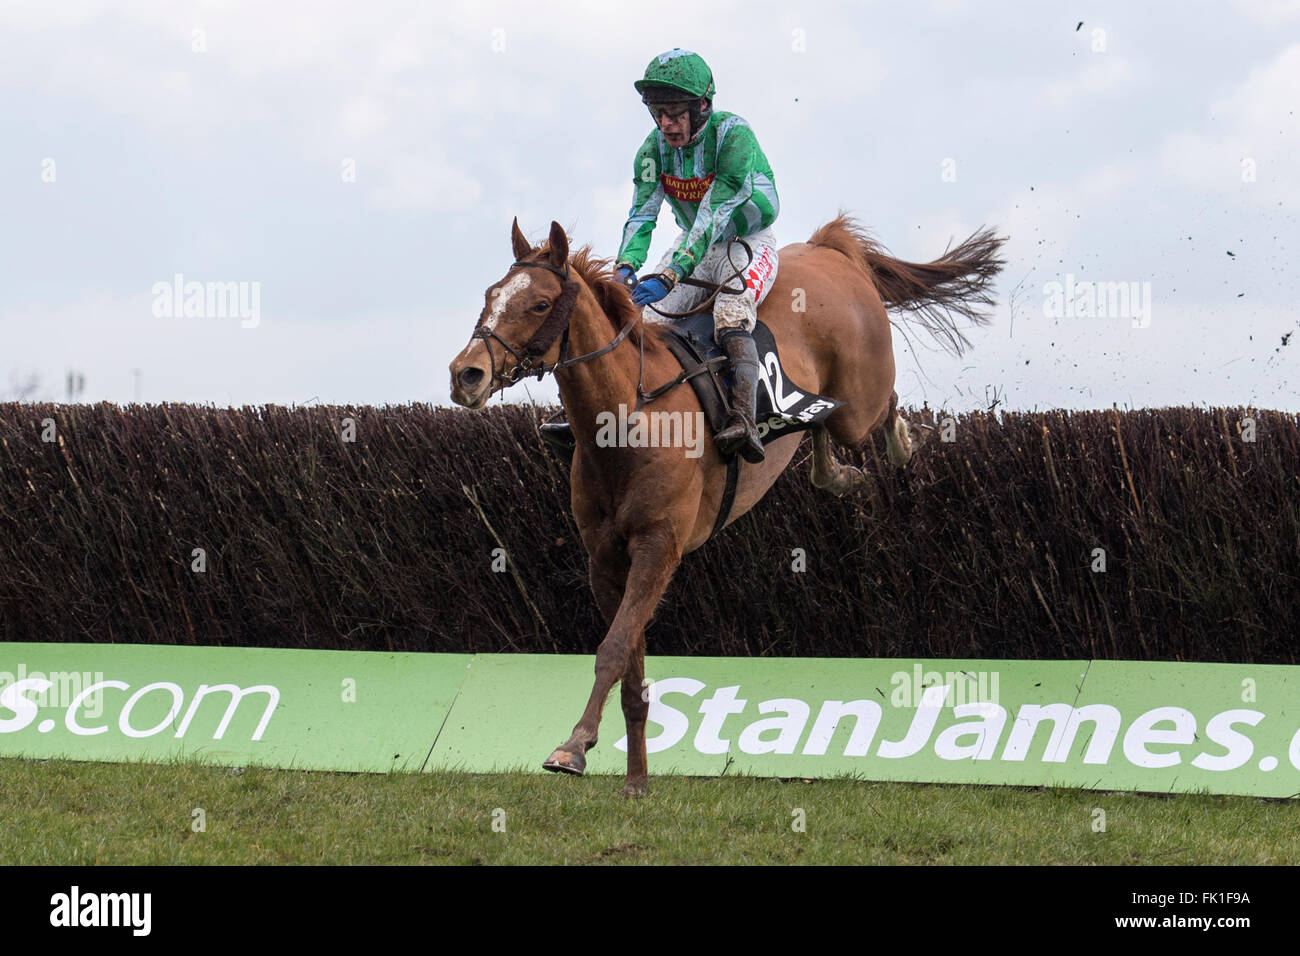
point(560, 437)
point(741, 434)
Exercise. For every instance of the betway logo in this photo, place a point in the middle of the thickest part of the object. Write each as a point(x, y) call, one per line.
point(88, 704)
point(727, 721)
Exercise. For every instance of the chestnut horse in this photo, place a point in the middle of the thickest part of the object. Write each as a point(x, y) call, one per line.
point(639, 509)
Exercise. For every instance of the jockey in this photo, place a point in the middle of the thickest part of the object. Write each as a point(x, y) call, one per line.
point(718, 183)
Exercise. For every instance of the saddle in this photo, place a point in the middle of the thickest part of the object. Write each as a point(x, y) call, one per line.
point(783, 407)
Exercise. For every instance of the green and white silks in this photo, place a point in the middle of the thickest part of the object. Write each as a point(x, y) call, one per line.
point(719, 186)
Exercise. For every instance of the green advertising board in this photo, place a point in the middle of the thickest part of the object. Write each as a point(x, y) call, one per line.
point(317, 710)
point(1165, 727)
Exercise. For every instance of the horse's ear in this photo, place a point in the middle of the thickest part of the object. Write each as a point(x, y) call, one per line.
point(521, 247)
point(559, 246)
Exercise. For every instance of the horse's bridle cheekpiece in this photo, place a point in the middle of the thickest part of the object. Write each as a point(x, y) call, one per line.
point(555, 325)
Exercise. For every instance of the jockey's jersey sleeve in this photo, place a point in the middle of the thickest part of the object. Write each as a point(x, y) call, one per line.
point(719, 188)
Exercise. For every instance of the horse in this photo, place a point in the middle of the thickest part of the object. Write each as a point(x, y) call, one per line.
point(639, 510)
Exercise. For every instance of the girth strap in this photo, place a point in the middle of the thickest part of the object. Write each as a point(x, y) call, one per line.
point(728, 495)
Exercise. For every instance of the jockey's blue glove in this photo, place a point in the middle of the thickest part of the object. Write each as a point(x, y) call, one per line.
point(626, 275)
point(652, 289)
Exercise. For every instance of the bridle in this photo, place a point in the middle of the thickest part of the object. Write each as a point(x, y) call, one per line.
point(556, 325)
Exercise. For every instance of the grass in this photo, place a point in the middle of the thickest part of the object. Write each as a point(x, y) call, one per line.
point(63, 812)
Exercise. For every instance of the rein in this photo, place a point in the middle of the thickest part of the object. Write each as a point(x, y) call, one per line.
point(557, 324)
point(717, 287)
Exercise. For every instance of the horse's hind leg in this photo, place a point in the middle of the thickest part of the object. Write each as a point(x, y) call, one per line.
point(827, 473)
point(898, 437)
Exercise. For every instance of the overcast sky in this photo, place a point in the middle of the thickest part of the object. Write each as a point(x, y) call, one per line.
point(358, 165)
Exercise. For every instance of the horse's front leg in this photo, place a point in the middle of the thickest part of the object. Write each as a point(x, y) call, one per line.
point(654, 555)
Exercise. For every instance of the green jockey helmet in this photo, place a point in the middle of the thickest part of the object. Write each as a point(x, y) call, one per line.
point(678, 70)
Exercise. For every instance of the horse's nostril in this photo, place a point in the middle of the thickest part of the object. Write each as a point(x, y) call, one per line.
point(470, 378)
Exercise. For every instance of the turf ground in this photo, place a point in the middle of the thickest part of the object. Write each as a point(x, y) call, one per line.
point(93, 813)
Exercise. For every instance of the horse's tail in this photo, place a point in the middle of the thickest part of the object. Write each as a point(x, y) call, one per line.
point(958, 281)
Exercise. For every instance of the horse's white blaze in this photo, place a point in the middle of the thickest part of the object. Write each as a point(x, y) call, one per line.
point(503, 295)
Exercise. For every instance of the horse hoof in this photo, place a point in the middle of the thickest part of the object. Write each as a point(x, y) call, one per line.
point(636, 789)
point(848, 479)
point(564, 762)
point(559, 439)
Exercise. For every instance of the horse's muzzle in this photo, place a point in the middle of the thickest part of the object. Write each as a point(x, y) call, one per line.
point(471, 386)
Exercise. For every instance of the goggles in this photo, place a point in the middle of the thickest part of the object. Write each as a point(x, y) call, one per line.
point(672, 111)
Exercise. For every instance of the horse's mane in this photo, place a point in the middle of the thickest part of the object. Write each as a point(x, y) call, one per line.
point(611, 294)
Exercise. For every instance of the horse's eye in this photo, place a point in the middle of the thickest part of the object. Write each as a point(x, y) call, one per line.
point(541, 306)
